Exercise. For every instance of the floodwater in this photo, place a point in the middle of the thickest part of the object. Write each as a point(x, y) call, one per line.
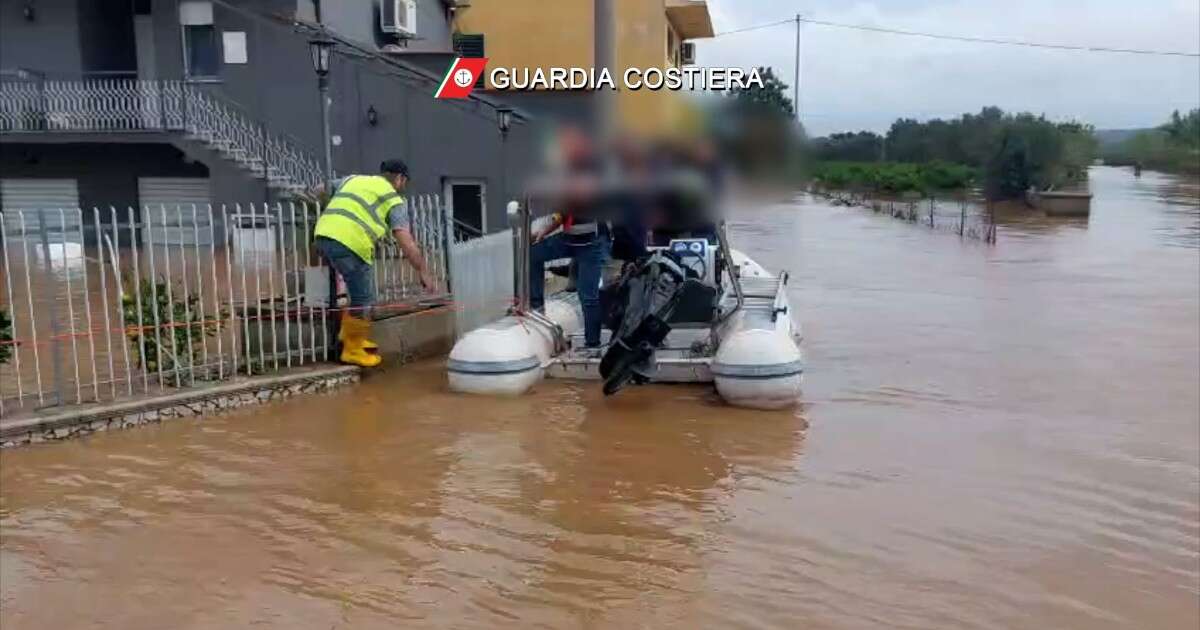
point(997, 436)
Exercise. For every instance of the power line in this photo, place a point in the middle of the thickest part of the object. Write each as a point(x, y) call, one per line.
point(755, 28)
point(965, 38)
point(1003, 42)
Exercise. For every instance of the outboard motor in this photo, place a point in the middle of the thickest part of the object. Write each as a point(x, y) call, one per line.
point(646, 297)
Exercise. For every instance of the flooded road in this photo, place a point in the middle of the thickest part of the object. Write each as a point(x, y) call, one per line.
point(993, 437)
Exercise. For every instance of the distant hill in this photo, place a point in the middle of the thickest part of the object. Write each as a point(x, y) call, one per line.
point(1112, 137)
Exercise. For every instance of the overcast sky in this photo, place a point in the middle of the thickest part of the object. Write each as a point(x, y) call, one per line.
point(859, 80)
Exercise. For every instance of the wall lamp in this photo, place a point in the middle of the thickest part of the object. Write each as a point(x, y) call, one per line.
point(504, 116)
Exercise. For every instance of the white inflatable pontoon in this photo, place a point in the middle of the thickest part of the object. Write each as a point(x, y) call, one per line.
point(749, 349)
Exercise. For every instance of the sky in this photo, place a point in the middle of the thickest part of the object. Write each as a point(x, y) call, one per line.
point(853, 80)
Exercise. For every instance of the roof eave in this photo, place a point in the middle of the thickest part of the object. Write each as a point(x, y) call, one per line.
point(690, 18)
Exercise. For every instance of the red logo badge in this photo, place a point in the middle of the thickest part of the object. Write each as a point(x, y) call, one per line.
point(461, 77)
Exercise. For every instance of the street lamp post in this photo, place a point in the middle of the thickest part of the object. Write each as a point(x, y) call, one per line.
point(504, 116)
point(322, 49)
point(518, 217)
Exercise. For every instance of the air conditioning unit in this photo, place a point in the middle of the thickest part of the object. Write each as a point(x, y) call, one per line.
point(687, 53)
point(399, 17)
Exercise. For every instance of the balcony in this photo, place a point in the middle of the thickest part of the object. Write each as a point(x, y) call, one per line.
point(91, 105)
point(690, 18)
point(32, 104)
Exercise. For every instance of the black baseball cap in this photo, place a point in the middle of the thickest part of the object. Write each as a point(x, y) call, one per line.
point(394, 167)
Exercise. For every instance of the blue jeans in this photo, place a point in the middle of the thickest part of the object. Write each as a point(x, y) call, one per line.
point(589, 260)
point(353, 269)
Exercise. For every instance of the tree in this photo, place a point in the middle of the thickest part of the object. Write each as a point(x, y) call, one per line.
point(1015, 151)
point(770, 99)
point(862, 146)
point(756, 127)
point(1183, 131)
point(1172, 146)
point(1008, 173)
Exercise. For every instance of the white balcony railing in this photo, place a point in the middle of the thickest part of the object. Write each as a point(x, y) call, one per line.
point(133, 105)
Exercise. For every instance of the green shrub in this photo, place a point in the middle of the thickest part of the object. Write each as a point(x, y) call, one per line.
point(6, 336)
point(178, 322)
point(895, 177)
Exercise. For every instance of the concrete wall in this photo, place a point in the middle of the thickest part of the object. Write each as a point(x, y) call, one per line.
point(434, 31)
point(531, 33)
point(49, 43)
point(80, 421)
point(538, 34)
point(642, 43)
point(560, 108)
point(1064, 204)
point(359, 20)
point(407, 338)
point(107, 173)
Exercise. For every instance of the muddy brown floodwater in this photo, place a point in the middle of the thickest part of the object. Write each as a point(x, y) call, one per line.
point(993, 437)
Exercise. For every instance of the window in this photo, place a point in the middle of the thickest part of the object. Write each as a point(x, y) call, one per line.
point(201, 52)
point(470, 47)
point(234, 43)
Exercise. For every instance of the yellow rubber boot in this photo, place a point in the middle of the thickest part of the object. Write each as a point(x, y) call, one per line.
point(368, 345)
point(354, 332)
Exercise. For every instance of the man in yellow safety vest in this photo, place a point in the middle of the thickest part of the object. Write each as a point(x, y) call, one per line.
point(361, 211)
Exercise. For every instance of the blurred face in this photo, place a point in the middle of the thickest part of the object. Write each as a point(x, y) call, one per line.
point(633, 155)
point(399, 182)
point(575, 146)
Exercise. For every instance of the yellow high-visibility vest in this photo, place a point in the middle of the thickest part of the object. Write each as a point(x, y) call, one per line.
point(357, 214)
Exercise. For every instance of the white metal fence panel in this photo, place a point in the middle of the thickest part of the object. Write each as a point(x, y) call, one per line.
point(482, 273)
point(397, 286)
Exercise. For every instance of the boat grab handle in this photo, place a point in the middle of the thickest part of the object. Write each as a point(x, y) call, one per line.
point(734, 280)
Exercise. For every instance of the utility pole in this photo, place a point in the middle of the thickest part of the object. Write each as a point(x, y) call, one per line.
point(796, 78)
point(604, 57)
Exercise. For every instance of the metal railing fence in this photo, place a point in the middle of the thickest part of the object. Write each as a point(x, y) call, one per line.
point(967, 214)
point(111, 303)
point(35, 104)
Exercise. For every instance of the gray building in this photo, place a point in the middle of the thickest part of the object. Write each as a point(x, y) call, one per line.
point(133, 102)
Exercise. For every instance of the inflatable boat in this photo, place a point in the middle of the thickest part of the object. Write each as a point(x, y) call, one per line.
point(721, 319)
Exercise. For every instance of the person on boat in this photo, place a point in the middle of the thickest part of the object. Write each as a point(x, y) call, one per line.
point(687, 181)
point(361, 211)
point(577, 232)
point(632, 203)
